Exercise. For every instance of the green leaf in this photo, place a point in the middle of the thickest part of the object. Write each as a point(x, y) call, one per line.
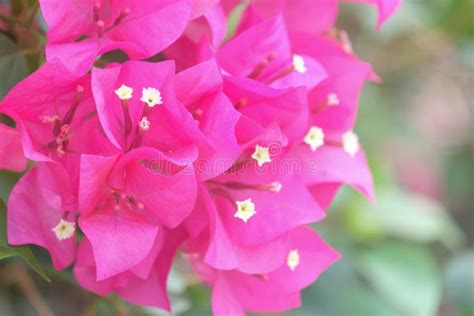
point(13, 67)
point(7, 182)
point(24, 252)
point(339, 292)
point(405, 215)
point(234, 18)
point(405, 275)
point(459, 276)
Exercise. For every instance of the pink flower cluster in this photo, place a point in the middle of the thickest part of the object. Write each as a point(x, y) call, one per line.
point(223, 148)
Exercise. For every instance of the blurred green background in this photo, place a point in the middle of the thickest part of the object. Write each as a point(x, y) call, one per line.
point(410, 254)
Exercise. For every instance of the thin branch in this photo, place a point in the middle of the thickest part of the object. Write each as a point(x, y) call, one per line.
point(17, 274)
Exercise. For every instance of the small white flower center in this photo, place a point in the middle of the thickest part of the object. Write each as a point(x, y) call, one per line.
point(144, 124)
point(293, 259)
point(64, 229)
point(261, 155)
point(151, 96)
point(314, 138)
point(299, 64)
point(245, 210)
point(124, 92)
point(350, 142)
point(333, 99)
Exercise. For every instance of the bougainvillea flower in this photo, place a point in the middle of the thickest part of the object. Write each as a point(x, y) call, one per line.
point(230, 147)
point(263, 52)
point(333, 108)
point(11, 152)
point(200, 89)
point(262, 106)
point(215, 241)
point(79, 31)
point(42, 211)
point(137, 106)
point(255, 206)
point(55, 113)
point(148, 291)
point(310, 16)
point(201, 38)
point(124, 201)
point(235, 292)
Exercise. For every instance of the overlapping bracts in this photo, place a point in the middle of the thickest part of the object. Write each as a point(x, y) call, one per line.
point(226, 151)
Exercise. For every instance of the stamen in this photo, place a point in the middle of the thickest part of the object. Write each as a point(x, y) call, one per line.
point(100, 28)
point(62, 140)
point(332, 99)
point(274, 186)
point(144, 124)
point(50, 119)
point(125, 93)
point(198, 112)
point(346, 42)
point(242, 102)
point(257, 71)
point(96, 9)
point(263, 277)
point(72, 109)
point(123, 14)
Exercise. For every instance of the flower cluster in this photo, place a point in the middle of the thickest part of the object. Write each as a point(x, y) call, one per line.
point(226, 148)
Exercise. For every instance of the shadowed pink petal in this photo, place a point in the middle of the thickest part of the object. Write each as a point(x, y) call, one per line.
point(147, 292)
point(120, 240)
point(220, 252)
point(94, 172)
point(313, 17)
point(73, 32)
point(166, 190)
point(265, 106)
point(200, 90)
point(11, 151)
point(223, 301)
point(276, 213)
point(241, 55)
point(337, 167)
point(37, 203)
point(315, 257)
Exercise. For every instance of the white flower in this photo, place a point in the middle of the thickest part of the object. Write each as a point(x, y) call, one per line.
point(298, 64)
point(314, 138)
point(151, 96)
point(124, 92)
point(261, 155)
point(245, 210)
point(293, 259)
point(64, 229)
point(350, 142)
